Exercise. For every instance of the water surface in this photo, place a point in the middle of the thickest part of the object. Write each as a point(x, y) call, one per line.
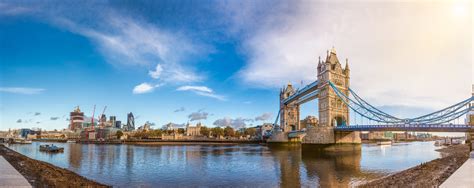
point(232, 165)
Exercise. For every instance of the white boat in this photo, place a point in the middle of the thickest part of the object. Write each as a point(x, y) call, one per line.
point(388, 142)
point(71, 141)
point(22, 141)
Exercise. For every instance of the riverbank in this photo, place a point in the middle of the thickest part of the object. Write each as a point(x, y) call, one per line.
point(430, 174)
point(42, 174)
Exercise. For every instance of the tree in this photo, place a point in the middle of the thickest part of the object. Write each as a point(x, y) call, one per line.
point(229, 131)
point(250, 131)
point(119, 134)
point(181, 130)
point(205, 131)
point(217, 131)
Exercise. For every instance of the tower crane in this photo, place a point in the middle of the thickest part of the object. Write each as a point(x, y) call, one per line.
point(92, 119)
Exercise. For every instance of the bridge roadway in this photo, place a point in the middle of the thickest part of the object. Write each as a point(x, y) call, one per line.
point(409, 127)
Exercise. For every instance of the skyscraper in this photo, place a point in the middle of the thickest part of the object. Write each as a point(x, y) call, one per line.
point(118, 124)
point(77, 118)
point(112, 120)
point(130, 122)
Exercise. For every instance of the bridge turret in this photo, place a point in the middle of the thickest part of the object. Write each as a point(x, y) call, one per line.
point(289, 113)
point(331, 109)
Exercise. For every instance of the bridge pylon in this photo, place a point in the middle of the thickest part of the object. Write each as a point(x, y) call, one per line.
point(289, 113)
point(332, 111)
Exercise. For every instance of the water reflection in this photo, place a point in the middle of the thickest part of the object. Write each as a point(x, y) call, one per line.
point(233, 165)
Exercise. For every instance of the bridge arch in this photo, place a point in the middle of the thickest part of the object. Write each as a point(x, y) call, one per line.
point(339, 121)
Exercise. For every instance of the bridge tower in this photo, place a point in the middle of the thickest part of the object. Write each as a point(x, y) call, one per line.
point(333, 111)
point(289, 113)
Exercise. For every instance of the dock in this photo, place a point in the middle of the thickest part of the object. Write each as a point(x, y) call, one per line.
point(10, 176)
point(463, 177)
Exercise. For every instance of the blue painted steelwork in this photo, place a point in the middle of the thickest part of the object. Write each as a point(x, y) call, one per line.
point(410, 127)
point(301, 92)
point(370, 112)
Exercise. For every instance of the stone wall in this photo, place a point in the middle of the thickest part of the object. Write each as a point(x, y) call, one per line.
point(278, 136)
point(319, 135)
point(347, 137)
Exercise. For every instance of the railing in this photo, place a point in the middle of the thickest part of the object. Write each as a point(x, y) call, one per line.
point(408, 127)
point(301, 91)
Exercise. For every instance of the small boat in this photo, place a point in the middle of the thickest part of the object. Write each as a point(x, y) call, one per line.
point(71, 141)
point(389, 142)
point(22, 141)
point(51, 148)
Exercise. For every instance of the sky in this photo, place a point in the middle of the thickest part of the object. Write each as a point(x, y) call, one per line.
point(224, 62)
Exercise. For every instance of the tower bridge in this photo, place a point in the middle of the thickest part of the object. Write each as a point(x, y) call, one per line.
point(336, 99)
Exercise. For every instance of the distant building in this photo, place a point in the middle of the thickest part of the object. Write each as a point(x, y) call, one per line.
point(118, 124)
point(76, 118)
point(309, 121)
point(112, 120)
point(264, 130)
point(193, 131)
point(130, 122)
point(103, 119)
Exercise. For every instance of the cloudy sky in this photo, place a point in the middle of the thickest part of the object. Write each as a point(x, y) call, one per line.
point(223, 62)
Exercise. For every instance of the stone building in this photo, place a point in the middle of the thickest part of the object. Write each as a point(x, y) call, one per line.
point(193, 131)
point(309, 121)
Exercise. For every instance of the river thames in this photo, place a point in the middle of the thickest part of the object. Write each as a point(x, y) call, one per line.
point(232, 165)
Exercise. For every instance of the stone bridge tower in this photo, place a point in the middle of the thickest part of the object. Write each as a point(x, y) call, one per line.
point(289, 113)
point(332, 111)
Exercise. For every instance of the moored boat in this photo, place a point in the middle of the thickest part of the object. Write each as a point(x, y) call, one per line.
point(51, 148)
point(71, 141)
point(388, 142)
point(22, 141)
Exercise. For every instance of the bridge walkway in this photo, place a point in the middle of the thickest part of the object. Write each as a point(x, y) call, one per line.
point(463, 177)
point(10, 177)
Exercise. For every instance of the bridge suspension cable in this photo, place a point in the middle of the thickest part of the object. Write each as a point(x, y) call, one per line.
point(363, 108)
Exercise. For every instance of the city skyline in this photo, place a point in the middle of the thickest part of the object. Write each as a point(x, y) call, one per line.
point(168, 62)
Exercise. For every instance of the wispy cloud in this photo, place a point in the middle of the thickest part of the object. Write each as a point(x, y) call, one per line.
point(235, 123)
point(285, 42)
point(145, 88)
point(203, 91)
point(263, 117)
point(182, 109)
point(129, 41)
point(199, 115)
point(54, 118)
point(37, 113)
point(22, 90)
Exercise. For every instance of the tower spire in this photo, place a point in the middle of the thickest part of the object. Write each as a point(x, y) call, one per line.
point(347, 64)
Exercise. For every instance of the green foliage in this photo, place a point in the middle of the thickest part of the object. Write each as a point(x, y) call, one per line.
point(205, 131)
point(119, 134)
point(181, 130)
point(229, 131)
point(250, 131)
point(217, 131)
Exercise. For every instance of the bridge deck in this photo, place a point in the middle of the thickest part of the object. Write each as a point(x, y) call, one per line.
point(420, 128)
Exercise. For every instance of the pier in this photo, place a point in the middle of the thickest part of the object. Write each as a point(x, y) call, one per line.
point(464, 175)
point(10, 176)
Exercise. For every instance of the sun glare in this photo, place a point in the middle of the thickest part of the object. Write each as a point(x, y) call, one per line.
point(460, 8)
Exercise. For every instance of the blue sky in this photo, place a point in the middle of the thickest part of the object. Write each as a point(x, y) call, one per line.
point(177, 61)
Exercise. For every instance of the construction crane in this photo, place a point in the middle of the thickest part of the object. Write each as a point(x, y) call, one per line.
point(92, 119)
